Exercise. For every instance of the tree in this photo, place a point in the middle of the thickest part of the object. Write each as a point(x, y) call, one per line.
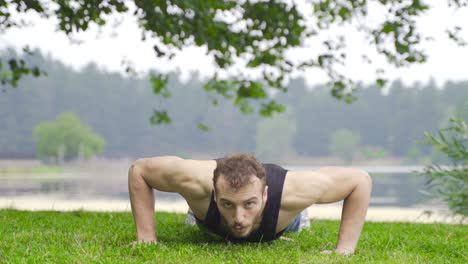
point(450, 183)
point(66, 138)
point(344, 144)
point(254, 33)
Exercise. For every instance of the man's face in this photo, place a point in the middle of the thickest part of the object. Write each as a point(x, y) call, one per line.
point(241, 209)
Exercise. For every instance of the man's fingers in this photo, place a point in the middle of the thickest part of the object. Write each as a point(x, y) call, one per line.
point(145, 242)
point(342, 252)
point(345, 252)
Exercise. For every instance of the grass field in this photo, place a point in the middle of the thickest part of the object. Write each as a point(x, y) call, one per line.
point(89, 237)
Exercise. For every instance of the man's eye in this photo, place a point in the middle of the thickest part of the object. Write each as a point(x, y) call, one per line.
point(249, 204)
point(227, 205)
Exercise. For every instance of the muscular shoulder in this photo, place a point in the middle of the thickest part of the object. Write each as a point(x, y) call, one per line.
point(302, 189)
point(325, 185)
point(173, 174)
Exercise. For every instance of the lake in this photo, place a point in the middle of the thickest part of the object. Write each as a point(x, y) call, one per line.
point(393, 185)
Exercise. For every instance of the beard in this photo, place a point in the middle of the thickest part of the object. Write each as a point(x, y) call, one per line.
point(253, 227)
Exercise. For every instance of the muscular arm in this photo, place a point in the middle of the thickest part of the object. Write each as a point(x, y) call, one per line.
point(189, 178)
point(329, 185)
point(142, 202)
point(160, 173)
point(354, 186)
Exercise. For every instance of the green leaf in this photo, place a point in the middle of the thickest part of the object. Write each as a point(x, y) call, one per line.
point(268, 109)
point(344, 13)
point(36, 72)
point(160, 117)
point(159, 83)
point(251, 89)
point(388, 27)
point(381, 82)
point(203, 127)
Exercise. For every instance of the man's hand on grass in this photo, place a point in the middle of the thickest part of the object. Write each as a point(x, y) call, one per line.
point(142, 241)
point(338, 251)
point(344, 251)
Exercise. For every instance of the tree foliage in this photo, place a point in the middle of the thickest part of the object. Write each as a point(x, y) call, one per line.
point(450, 183)
point(66, 138)
point(258, 33)
point(109, 102)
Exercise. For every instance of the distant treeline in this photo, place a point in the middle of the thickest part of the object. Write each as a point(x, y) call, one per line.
point(119, 109)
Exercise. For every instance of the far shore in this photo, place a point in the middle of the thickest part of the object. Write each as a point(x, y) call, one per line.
point(292, 160)
point(333, 211)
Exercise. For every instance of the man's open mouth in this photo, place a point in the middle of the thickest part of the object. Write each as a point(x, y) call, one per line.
point(239, 228)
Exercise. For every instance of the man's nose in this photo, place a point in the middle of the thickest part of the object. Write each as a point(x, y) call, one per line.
point(239, 215)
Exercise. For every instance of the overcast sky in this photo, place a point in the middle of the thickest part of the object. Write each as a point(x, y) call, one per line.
point(446, 60)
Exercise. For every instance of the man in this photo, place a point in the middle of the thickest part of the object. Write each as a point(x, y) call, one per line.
point(241, 199)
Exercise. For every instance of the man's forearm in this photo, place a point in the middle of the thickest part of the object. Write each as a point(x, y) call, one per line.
point(353, 216)
point(142, 202)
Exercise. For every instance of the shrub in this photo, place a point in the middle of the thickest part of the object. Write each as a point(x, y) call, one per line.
point(450, 183)
point(67, 138)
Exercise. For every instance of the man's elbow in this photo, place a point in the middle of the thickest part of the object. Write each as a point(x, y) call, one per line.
point(137, 165)
point(152, 164)
point(366, 178)
point(365, 182)
point(135, 171)
point(157, 172)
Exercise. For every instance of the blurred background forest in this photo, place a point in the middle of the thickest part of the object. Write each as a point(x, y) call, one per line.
point(385, 127)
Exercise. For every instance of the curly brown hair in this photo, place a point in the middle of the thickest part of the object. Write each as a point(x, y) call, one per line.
point(237, 170)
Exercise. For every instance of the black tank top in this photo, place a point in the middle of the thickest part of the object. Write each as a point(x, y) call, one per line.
point(275, 176)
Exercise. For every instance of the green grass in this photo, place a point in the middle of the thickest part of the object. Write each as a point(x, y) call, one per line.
point(89, 237)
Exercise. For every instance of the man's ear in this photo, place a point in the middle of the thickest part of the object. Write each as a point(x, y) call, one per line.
point(265, 193)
